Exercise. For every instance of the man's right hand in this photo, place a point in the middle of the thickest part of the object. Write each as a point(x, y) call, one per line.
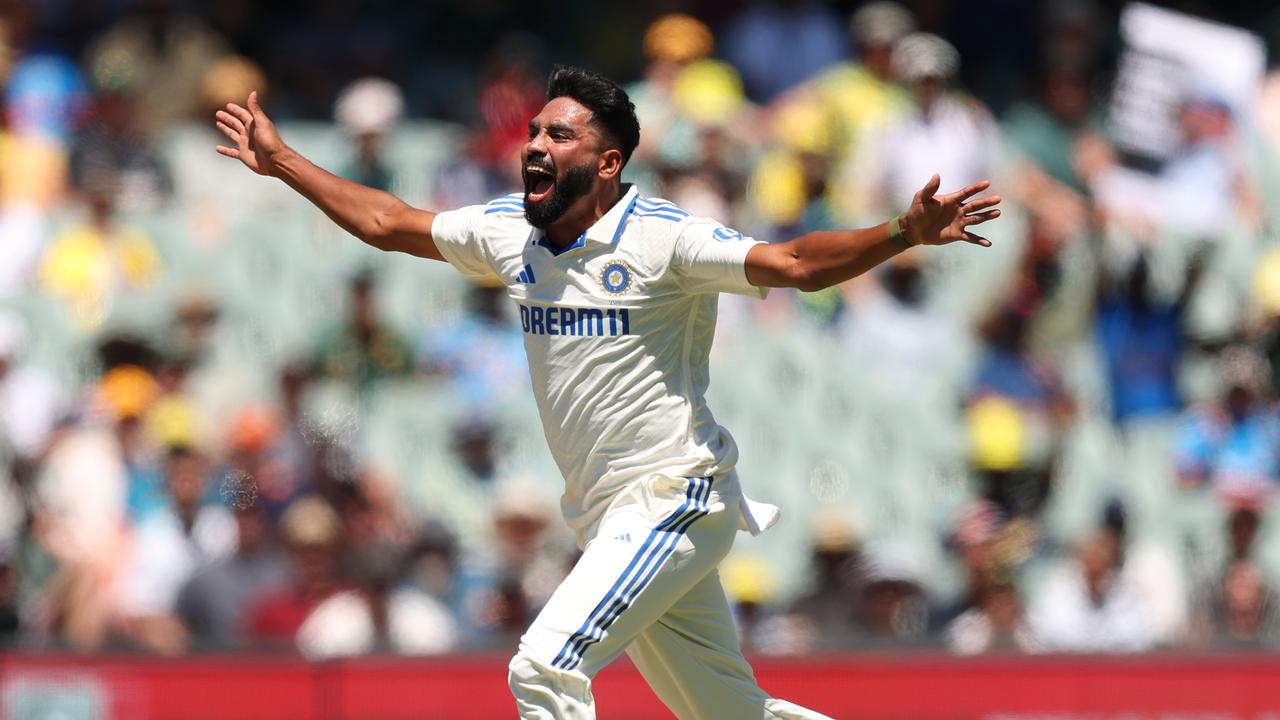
point(254, 138)
point(376, 217)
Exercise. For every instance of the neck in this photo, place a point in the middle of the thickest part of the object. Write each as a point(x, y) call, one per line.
point(584, 213)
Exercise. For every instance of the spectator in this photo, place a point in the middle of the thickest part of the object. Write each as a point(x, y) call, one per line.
point(89, 266)
point(807, 33)
point(892, 605)
point(1089, 605)
point(994, 623)
point(1017, 411)
point(1142, 341)
point(1051, 137)
point(363, 349)
point(1238, 606)
point(829, 608)
point(45, 100)
point(78, 513)
point(704, 156)
point(432, 565)
point(214, 602)
point(168, 547)
point(749, 586)
point(160, 55)
point(1244, 609)
point(671, 43)
point(381, 615)
point(313, 534)
point(946, 132)
point(858, 98)
point(369, 110)
point(31, 404)
point(893, 325)
point(975, 539)
point(511, 94)
point(119, 139)
point(509, 580)
point(1202, 191)
point(255, 462)
point(1233, 444)
point(477, 448)
point(1205, 185)
point(482, 352)
point(376, 525)
point(790, 183)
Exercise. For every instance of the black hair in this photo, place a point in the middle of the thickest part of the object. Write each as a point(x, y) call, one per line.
point(611, 109)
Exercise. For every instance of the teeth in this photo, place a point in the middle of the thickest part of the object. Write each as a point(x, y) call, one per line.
point(537, 170)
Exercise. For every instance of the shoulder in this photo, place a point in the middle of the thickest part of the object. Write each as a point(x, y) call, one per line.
point(503, 208)
point(658, 209)
point(506, 205)
point(658, 223)
point(498, 219)
point(664, 214)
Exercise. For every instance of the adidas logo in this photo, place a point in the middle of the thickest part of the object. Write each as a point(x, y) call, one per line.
point(526, 275)
point(624, 537)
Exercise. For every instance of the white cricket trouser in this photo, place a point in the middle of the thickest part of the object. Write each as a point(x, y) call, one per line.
point(647, 584)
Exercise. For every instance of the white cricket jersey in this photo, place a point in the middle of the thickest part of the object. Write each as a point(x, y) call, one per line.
point(618, 328)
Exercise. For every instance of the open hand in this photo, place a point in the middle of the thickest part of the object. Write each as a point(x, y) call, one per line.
point(254, 139)
point(942, 219)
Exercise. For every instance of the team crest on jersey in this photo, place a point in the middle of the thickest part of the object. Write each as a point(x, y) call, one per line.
point(615, 278)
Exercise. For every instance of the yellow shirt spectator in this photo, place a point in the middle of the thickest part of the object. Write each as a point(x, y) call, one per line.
point(86, 265)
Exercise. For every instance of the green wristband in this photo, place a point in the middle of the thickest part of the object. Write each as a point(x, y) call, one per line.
point(895, 233)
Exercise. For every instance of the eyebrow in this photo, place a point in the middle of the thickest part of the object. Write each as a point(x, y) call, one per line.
point(553, 127)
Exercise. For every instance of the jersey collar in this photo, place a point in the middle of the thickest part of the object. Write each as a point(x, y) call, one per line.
point(606, 230)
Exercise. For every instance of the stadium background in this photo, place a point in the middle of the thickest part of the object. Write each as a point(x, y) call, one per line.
point(247, 460)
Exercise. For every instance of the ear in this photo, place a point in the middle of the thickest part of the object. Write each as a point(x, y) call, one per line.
point(610, 164)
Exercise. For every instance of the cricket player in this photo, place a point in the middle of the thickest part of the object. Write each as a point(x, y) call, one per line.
point(617, 293)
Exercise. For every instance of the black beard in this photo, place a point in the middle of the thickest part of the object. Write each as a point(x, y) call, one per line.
point(574, 183)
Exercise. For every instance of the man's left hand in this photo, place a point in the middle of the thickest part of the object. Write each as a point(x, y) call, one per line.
point(941, 219)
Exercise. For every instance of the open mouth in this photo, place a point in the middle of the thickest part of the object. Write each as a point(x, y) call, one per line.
point(539, 182)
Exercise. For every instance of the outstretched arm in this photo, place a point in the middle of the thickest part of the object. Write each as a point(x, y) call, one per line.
point(822, 259)
point(376, 217)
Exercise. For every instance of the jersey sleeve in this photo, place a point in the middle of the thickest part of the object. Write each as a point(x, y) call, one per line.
point(710, 257)
point(457, 236)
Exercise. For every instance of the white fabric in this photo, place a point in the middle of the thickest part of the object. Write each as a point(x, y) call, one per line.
point(343, 626)
point(165, 557)
point(1064, 618)
point(82, 491)
point(957, 140)
point(670, 612)
point(30, 403)
point(617, 329)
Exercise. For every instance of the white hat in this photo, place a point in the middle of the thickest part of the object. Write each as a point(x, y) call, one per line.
point(369, 105)
point(881, 23)
point(925, 55)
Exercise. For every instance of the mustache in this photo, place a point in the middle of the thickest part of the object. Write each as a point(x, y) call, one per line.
point(539, 163)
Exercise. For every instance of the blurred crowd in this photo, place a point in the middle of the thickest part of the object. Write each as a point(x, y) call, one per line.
point(1129, 331)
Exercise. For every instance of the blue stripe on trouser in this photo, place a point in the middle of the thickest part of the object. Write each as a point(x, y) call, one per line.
point(636, 569)
point(657, 547)
point(668, 536)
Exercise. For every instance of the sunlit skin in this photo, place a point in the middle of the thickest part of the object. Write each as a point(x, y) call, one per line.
point(561, 137)
point(572, 170)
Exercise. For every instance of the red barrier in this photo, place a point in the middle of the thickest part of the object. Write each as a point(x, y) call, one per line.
point(861, 687)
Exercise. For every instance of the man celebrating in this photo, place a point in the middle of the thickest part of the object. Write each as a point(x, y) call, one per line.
point(617, 298)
